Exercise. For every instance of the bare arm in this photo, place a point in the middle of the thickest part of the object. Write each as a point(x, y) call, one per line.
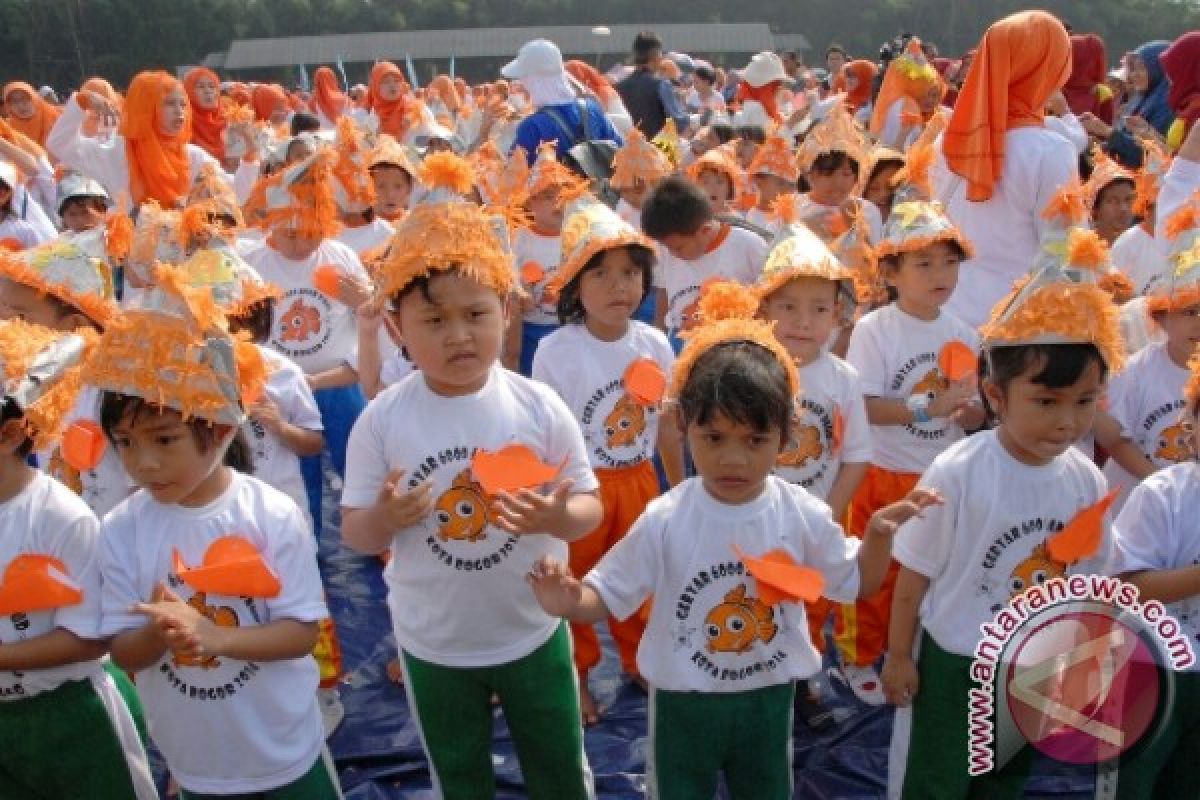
point(135, 650)
point(846, 483)
point(370, 359)
point(660, 309)
point(54, 649)
point(561, 594)
point(370, 530)
point(1127, 455)
point(670, 445)
point(281, 640)
point(341, 375)
point(899, 671)
point(1166, 585)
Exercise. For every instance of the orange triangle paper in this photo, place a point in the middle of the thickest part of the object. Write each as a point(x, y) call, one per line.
point(532, 273)
point(1080, 538)
point(645, 381)
point(35, 582)
point(83, 444)
point(780, 579)
point(957, 361)
point(328, 281)
point(839, 430)
point(232, 567)
point(511, 468)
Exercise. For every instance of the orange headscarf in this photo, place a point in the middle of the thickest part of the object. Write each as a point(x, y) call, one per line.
point(764, 95)
point(158, 164)
point(864, 73)
point(268, 97)
point(208, 124)
point(390, 112)
point(1021, 61)
point(15, 137)
point(44, 116)
point(328, 97)
point(908, 78)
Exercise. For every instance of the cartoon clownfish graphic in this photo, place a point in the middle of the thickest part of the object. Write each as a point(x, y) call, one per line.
point(805, 445)
point(1035, 570)
point(625, 423)
point(1175, 443)
point(299, 322)
point(734, 625)
point(931, 384)
point(224, 616)
point(463, 511)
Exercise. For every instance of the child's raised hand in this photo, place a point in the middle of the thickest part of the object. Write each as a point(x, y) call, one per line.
point(558, 592)
point(900, 680)
point(887, 520)
point(187, 632)
point(398, 509)
point(951, 399)
point(370, 318)
point(969, 417)
point(266, 413)
point(528, 511)
point(352, 291)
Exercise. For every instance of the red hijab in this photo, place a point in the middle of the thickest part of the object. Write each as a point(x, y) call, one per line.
point(1181, 64)
point(864, 73)
point(1089, 68)
point(266, 98)
point(328, 97)
point(390, 112)
point(208, 124)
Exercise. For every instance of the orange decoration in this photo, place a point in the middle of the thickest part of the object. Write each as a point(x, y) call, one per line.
point(83, 444)
point(781, 579)
point(35, 582)
point(532, 273)
point(11, 244)
point(511, 468)
point(328, 281)
point(645, 380)
point(1080, 538)
point(839, 430)
point(232, 567)
point(957, 361)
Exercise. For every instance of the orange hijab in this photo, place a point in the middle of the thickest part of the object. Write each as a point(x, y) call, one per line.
point(328, 97)
point(91, 122)
point(908, 78)
point(1021, 61)
point(208, 124)
point(158, 164)
point(44, 116)
point(390, 112)
point(266, 98)
point(864, 72)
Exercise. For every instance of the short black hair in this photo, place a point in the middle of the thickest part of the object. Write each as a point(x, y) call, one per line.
point(889, 161)
point(707, 73)
point(1100, 194)
point(570, 304)
point(10, 410)
point(723, 131)
point(827, 163)
point(303, 122)
point(754, 133)
point(1057, 365)
point(645, 43)
point(675, 206)
point(743, 382)
point(255, 320)
point(836, 48)
point(115, 406)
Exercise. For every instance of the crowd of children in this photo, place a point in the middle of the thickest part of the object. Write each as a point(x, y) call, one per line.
point(763, 418)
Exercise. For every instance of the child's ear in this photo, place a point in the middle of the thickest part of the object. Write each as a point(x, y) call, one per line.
point(995, 396)
point(12, 436)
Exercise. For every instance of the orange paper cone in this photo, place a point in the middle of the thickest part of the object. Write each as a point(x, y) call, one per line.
point(532, 273)
point(957, 361)
point(83, 444)
point(781, 579)
point(232, 567)
point(35, 582)
point(328, 281)
point(511, 468)
point(645, 381)
point(1080, 538)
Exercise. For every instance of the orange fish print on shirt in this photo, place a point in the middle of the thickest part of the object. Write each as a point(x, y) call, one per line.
point(299, 322)
point(931, 384)
point(738, 622)
point(1175, 443)
point(690, 316)
point(224, 616)
point(463, 511)
point(1035, 570)
point(805, 445)
point(625, 423)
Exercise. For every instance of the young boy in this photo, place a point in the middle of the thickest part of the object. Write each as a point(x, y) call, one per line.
point(830, 158)
point(718, 173)
point(774, 174)
point(698, 247)
point(392, 174)
point(82, 203)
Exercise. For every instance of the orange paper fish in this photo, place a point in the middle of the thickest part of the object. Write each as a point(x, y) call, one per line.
point(532, 273)
point(957, 361)
point(645, 381)
point(34, 582)
point(780, 579)
point(328, 281)
point(1080, 538)
point(83, 444)
point(511, 468)
point(232, 567)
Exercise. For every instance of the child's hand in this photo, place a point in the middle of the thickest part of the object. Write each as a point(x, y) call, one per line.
point(266, 413)
point(900, 679)
point(370, 318)
point(187, 632)
point(951, 399)
point(969, 417)
point(398, 509)
point(530, 512)
point(558, 592)
point(887, 520)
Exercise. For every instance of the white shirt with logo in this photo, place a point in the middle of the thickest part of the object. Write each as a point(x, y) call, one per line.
point(544, 250)
point(738, 255)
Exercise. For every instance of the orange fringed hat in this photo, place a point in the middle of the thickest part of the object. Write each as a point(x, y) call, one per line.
point(722, 159)
point(836, 133)
point(1104, 172)
point(390, 153)
point(913, 181)
point(775, 158)
point(728, 314)
point(502, 182)
point(916, 224)
point(1155, 163)
point(639, 160)
point(798, 253)
point(1177, 286)
point(75, 270)
point(353, 189)
point(1061, 301)
point(548, 173)
point(211, 197)
point(159, 235)
point(40, 369)
point(444, 231)
point(174, 350)
point(592, 228)
point(299, 197)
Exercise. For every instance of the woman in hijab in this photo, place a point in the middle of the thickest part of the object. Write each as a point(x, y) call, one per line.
point(910, 93)
point(1086, 91)
point(203, 89)
point(387, 99)
point(1181, 64)
point(1145, 113)
point(329, 102)
point(28, 113)
point(857, 80)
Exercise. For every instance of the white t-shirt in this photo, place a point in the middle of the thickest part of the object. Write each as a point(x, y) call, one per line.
point(737, 255)
point(628, 213)
point(985, 543)
point(808, 208)
point(1146, 398)
point(103, 487)
point(1159, 529)
point(455, 581)
point(708, 630)
point(829, 390)
point(316, 332)
point(395, 369)
point(1137, 329)
point(274, 463)
point(531, 246)
point(224, 726)
point(587, 373)
point(47, 519)
point(896, 356)
point(1175, 191)
point(1138, 255)
point(1007, 228)
point(362, 238)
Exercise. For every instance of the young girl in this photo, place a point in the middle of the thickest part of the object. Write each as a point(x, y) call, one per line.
point(909, 95)
point(354, 189)
point(392, 174)
point(774, 174)
point(606, 271)
point(210, 576)
point(882, 165)
point(1109, 194)
point(720, 659)
point(830, 158)
point(719, 176)
point(1047, 350)
point(466, 630)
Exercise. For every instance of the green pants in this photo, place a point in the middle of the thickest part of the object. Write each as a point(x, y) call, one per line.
point(540, 698)
point(319, 783)
point(1165, 765)
point(63, 743)
point(697, 736)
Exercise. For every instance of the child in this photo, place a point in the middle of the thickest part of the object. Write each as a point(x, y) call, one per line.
point(774, 173)
point(210, 575)
point(392, 174)
point(915, 409)
point(465, 629)
point(1109, 193)
point(909, 95)
point(354, 188)
point(1046, 353)
point(719, 175)
point(15, 231)
point(882, 166)
point(1136, 252)
point(607, 269)
point(67, 730)
point(720, 661)
point(82, 203)
point(829, 159)
point(698, 247)
point(638, 167)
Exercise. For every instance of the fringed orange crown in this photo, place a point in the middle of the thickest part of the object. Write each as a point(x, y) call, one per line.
point(590, 228)
point(174, 350)
point(776, 158)
point(1155, 163)
point(1177, 287)
point(798, 253)
point(548, 173)
point(353, 189)
point(722, 160)
point(668, 142)
point(444, 231)
point(639, 161)
point(836, 133)
point(850, 244)
point(210, 199)
point(298, 198)
point(914, 181)
point(40, 369)
point(914, 225)
point(390, 153)
point(73, 269)
point(159, 235)
point(504, 183)
point(1062, 302)
point(728, 314)
point(1104, 172)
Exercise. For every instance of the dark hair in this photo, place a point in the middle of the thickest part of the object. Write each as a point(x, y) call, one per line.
point(835, 48)
point(723, 175)
point(645, 43)
point(675, 206)
point(892, 161)
point(707, 73)
point(829, 163)
point(9, 410)
point(754, 133)
point(419, 283)
point(1057, 365)
point(115, 407)
point(743, 382)
point(388, 165)
point(256, 320)
point(570, 302)
point(723, 131)
point(303, 122)
point(97, 203)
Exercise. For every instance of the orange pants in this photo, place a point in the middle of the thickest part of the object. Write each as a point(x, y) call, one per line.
point(625, 493)
point(860, 629)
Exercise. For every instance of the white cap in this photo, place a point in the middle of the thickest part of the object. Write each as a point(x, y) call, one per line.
point(540, 57)
point(764, 68)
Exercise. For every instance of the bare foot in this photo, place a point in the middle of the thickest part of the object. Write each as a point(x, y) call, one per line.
point(395, 672)
point(589, 712)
